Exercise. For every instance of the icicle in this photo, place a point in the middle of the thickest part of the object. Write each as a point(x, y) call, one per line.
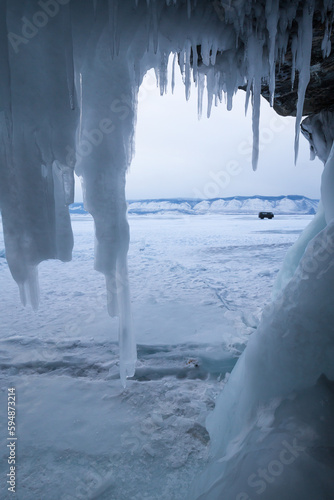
point(155, 27)
point(255, 68)
point(127, 344)
point(113, 26)
point(69, 55)
point(201, 83)
point(156, 73)
point(111, 286)
point(256, 120)
point(173, 73)
point(195, 68)
point(272, 18)
point(248, 91)
point(163, 79)
point(214, 50)
point(29, 289)
point(326, 45)
point(209, 86)
point(294, 46)
point(187, 77)
point(205, 51)
point(303, 61)
point(189, 8)
point(229, 101)
point(65, 174)
point(81, 102)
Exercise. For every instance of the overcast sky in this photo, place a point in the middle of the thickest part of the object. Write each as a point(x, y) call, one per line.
point(178, 155)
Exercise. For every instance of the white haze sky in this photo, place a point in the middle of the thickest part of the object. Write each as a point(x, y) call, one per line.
point(179, 156)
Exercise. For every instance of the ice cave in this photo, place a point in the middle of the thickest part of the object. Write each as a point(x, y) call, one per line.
point(70, 76)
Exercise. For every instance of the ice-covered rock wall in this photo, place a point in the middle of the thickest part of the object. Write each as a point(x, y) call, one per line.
point(271, 429)
point(319, 131)
point(70, 74)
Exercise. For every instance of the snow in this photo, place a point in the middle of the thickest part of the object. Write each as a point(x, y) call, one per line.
point(80, 434)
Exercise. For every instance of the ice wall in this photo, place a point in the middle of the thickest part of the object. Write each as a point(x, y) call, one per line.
point(319, 131)
point(271, 430)
point(70, 74)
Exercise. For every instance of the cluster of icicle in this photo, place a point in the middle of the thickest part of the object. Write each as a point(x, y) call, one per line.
point(70, 75)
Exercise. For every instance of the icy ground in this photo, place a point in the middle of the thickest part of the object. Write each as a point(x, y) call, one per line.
point(199, 284)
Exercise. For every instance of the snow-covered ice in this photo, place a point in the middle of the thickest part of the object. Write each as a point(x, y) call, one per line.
point(199, 284)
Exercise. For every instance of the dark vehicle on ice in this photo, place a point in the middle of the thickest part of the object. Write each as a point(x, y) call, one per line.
point(268, 215)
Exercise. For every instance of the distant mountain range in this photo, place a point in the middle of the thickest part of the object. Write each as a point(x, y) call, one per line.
point(284, 205)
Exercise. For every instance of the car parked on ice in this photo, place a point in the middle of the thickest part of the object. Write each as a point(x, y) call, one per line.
point(268, 215)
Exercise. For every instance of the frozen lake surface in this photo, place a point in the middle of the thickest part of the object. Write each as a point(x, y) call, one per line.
point(199, 284)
